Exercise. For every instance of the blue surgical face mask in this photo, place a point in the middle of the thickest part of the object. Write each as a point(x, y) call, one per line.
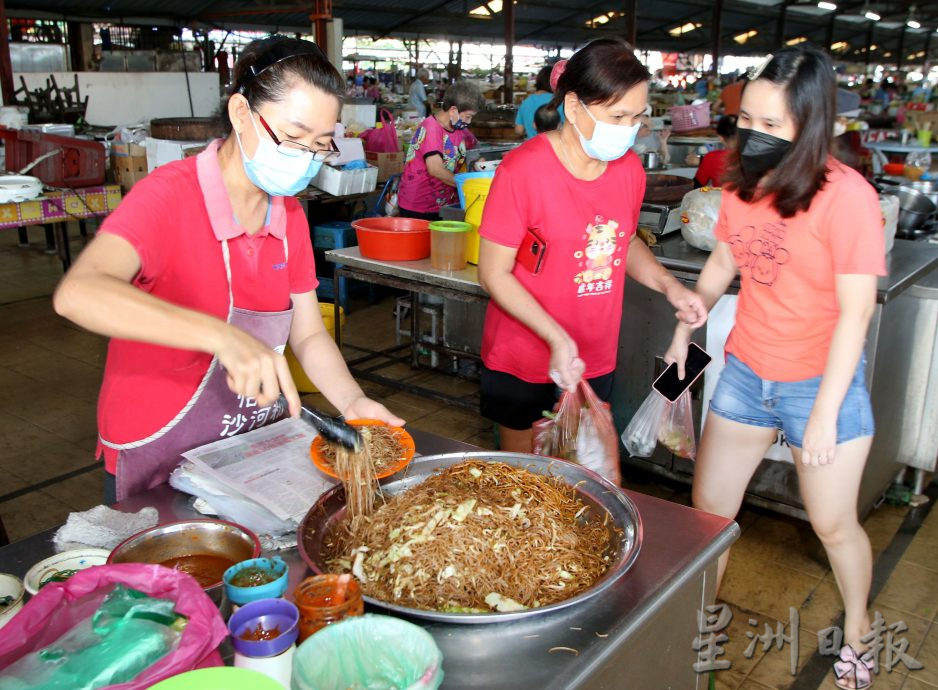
point(459, 124)
point(278, 174)
point(609, 141)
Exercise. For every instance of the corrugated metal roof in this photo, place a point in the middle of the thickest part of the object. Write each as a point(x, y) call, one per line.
point(546, 23)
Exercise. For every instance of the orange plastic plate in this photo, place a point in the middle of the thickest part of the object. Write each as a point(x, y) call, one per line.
point(405, 439)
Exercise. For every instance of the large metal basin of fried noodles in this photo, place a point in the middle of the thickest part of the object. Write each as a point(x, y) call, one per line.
point(625, 525)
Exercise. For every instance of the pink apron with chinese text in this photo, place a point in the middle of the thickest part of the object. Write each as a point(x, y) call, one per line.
point(213, 412)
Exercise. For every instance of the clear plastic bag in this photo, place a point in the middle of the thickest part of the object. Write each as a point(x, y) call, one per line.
point(700, 211)
point(676, 432)
point(641, 435)
point(581, 431)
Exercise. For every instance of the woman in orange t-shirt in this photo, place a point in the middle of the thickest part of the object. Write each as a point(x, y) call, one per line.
point(804, 234)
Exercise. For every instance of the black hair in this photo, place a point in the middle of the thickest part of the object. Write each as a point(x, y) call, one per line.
point(542, 80)
point(806, 73)
point(268, 68)
point(546, 119)
point(726, 127)
point(465, 96)
point(602, 71)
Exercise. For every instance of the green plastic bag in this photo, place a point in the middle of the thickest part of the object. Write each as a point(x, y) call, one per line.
point(368, 652)
point(128, 632)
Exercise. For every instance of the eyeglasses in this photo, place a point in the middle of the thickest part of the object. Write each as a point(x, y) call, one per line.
point(294, 148)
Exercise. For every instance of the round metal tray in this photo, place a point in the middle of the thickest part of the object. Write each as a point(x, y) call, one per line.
point(625, 525)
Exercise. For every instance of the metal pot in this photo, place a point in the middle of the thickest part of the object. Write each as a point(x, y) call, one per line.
point(650, 160)
point(914, 208)
point(926, 187)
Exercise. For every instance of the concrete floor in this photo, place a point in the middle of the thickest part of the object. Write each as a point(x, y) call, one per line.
point(50, 372)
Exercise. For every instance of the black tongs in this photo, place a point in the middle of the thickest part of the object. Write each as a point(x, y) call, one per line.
point(332, 428)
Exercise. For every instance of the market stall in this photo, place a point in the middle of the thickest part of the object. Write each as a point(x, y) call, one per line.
point(642, 629)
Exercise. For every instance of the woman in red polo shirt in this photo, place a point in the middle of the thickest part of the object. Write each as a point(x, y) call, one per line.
point(804, 234)
point(558, 235)
point(712, 166)
point(205, 272)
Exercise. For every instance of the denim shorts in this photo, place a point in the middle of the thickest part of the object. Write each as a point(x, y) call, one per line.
point(741, 396)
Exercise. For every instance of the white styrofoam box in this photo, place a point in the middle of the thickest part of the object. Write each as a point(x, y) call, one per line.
point(364, 115)
point(163, 151)
point(342, 182)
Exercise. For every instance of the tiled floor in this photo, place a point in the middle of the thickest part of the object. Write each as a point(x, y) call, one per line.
point(50, 372)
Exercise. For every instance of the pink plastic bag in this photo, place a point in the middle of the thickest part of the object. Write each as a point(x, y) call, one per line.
point(59, 606)
point(383, 140)
point(582, 431)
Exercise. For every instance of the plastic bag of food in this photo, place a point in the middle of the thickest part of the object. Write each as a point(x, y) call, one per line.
point(62, 607)
point(700, 210)
point(369, 651)
point(676, 432)
point(581, 431)
point(641, 435)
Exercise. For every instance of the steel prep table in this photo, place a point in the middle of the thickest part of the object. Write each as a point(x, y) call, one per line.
point(648, 618)
point(647, 328)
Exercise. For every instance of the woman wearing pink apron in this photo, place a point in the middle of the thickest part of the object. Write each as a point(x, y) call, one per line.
point(205, 273)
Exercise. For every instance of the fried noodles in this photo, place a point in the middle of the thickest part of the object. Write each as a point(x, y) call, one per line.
point(380, 441)
point(474, 537)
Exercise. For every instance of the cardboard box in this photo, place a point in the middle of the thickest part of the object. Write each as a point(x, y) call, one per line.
point(128, 165)
point(387, 163)
point(344, 182)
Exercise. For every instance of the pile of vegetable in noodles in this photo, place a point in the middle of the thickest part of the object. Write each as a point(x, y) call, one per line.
point(474, 537)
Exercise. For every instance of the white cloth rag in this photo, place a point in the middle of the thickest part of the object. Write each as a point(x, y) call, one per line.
point(102, 527)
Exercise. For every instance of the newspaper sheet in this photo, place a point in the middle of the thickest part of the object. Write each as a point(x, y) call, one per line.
point(270, 465)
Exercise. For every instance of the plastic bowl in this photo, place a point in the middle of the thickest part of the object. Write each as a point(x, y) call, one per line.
point(269, 614)
point(374, 651)
point(76, 559)
point(270, 590)
point(405, 439)
point(894, 168)
point(11, 586)
point(393, 239)
point(219, 678)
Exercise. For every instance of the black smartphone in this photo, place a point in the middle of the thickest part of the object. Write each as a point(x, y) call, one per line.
point(670, 386)
point(531, 252)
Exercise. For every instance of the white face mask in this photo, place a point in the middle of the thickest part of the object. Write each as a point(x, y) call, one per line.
point(609, 141)
point(839, 128)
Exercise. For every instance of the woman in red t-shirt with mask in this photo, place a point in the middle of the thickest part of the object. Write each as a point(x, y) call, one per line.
point(571, 199)
point(804, 234)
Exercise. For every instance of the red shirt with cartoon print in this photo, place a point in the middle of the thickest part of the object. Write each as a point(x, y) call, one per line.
point(420, 191)
point(787, 308)
point(587, 226)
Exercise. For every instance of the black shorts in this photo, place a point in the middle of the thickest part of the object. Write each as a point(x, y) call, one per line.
point(516, 404)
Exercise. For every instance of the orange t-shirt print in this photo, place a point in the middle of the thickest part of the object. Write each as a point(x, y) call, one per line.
point(788, 308)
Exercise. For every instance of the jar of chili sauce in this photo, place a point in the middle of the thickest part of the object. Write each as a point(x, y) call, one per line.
point(326, 599)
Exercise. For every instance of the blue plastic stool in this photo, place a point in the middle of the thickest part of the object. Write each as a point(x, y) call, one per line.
point(334, 235)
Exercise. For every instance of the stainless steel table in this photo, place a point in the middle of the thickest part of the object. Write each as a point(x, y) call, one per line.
point(463, 308)
point(639, 634)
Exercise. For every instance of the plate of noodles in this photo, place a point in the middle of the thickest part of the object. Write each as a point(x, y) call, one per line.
point(391, 448)
point(478, 537)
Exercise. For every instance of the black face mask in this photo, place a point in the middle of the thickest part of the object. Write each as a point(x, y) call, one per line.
point(758, 151)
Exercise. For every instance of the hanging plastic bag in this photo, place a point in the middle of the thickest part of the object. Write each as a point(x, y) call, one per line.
point(382, 139)
point(676, 432)
point(581, 431)
point(641, 435)
point(60, 607)
point(700, 210)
